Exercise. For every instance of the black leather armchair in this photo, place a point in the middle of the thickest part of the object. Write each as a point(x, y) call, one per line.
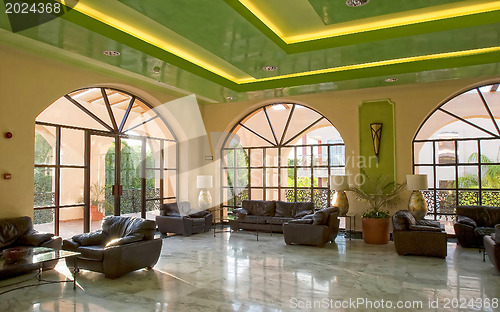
point(418, 237)
point(492, 246)
point(314, 229)
point(17, 232)
point(124, 244)
point(171, 220)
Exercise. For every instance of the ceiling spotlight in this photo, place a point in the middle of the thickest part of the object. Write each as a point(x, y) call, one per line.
point(111, 53)
point(156, 69)
point(391, 80)
point(356, 3)
point(270, 68)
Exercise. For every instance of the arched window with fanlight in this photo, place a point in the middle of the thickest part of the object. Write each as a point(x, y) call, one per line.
point(284, 152)
point(98, 152)
point(458, 148)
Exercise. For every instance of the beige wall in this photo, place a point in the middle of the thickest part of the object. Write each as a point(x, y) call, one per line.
point(412, 105)
point(30, 83)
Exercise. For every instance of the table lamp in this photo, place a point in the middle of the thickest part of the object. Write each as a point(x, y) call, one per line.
point(340, 183)
point(417, 204)
point(204, 182)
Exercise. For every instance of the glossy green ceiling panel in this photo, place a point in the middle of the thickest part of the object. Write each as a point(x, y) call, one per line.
point(216, 49)
point(331, 12)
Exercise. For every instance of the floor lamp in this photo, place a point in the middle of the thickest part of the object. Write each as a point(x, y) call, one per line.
point(204, 182)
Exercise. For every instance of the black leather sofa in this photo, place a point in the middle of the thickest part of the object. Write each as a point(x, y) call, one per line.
point(473, 223)
point(268, 215)
point(124, 244)
point(19, 232)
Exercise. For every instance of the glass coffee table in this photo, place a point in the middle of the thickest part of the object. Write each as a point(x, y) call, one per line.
point(35, 260)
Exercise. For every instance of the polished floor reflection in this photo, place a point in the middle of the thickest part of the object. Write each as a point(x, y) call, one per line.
point(234, 272)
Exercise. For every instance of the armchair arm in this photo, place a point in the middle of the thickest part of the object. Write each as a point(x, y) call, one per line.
point(465, 234)
point(240, 210)
point(121, 259)
point(466, 220)
point(497, 233)
point(126, 240)
point(54, 242)
point(208, 222)
point(33, 238)
point(425, 228)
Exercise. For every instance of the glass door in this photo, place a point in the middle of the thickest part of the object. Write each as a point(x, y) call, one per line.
point(132, 178)
point(104, 192)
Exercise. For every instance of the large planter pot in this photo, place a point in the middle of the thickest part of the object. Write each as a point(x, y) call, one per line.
point(376, 230)
point(95, 213)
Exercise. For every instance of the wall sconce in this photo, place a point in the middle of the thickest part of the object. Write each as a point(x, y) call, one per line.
point(376, 129)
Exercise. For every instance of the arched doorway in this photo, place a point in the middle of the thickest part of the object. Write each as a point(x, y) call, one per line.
point(281, 151)
point(458, 148)
point(101, 151)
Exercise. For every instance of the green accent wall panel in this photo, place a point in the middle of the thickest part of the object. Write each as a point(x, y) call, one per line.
point(377, 111)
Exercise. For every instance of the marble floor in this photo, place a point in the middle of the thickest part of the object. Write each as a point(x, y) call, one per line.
point(234, 272)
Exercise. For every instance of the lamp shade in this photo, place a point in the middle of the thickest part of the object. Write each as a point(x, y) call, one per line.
point(204, 181)
point(339, 182)
point(416, 182)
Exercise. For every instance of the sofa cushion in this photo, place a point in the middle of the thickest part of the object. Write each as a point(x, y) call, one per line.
point(301, 221)
point(494, 216)
point(496, 237)
point(92, 238)
point(429, 223)
point(260, 207)
point(291, 209)
point(466, 220)
point(11, 229)
point(279, 220)
point(198, 221)
point(198, 214)
point(254, 219)
point(483, 231)
point(170, 209)
point(94, 253)
point(302, 214)
point(479, 214)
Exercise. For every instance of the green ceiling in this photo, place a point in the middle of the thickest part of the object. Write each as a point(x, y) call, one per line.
point(217, 48)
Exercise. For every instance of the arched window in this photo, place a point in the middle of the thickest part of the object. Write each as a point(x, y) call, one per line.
point(458, 147)
point(100, 151)
point(281, 152)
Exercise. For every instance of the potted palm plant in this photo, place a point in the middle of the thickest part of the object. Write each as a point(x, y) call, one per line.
point(381, 194)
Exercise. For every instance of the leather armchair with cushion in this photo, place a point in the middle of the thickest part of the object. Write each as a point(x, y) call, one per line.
point(418, 237)
point(314, 229)
point(475, 222)
point(492, 246)
point(17, 232)
point(124, 244)
point(171, 220)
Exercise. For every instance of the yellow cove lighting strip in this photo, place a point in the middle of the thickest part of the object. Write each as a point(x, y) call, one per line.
point(169, 47)
point(387, 21)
